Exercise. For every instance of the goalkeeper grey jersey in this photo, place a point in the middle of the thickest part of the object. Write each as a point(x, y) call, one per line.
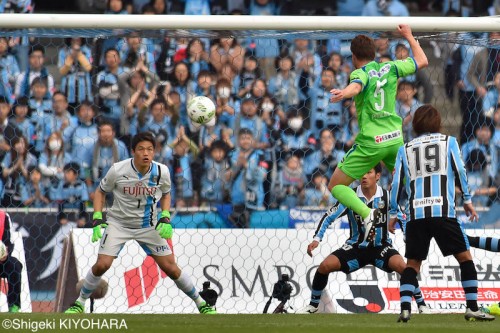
point(136, 196)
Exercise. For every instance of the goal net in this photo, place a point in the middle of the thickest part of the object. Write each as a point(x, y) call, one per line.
point(79, 87)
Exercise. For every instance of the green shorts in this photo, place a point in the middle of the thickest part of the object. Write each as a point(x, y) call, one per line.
point(359, 160)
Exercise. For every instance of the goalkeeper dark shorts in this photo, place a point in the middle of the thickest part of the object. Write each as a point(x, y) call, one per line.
point(353, 258)
point(447, 232)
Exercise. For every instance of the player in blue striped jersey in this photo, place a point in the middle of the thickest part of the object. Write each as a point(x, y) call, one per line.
point(428, 168)
point(357, 252)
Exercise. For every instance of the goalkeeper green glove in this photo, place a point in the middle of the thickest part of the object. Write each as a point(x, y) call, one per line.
point(98, 224)
point(163, 226)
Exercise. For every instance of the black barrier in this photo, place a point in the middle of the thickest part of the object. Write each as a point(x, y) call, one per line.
point(43, 237)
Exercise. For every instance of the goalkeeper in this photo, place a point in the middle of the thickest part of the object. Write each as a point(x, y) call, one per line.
point(373, 86)
point(356, 252)
point(137, 184)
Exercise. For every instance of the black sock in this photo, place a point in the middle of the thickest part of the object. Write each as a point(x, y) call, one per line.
point(468, 275)
point(486, 243)
point(319, 283)
point(408, 284)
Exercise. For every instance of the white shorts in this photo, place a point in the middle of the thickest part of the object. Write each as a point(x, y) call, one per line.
point(115, 236)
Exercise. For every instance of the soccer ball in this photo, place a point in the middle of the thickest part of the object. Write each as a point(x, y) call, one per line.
point(201, 110)
point(3, 251)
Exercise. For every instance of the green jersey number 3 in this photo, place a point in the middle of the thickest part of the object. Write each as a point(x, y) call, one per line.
point(379, 91)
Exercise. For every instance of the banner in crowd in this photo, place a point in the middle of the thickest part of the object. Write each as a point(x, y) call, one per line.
point(43, 243)
point(243, 265)
point(19, 253)
point(43, 235)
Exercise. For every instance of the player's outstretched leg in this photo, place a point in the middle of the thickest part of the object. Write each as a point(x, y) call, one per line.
point(348, 198)
point(183, 281)
point(493, 309)
point(491, 244)
point(89, 285)
point(91, 282)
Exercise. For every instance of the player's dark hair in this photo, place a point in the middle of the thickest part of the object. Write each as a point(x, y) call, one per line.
point(143, 136)
point(426, 120)
point(363, 47)
point(378, 168)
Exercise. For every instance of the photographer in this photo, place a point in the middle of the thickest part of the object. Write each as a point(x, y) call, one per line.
point(282, 291)
point(10, 267)
point(75, 65)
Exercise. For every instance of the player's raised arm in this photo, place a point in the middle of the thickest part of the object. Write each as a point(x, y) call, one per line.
point(350, 91)
point(418, 52)
point(328, 218)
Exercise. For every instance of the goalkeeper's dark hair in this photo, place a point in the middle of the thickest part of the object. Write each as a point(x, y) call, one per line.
point(378, 168)
point(363, 47)
point(426, 120)
point(143, 136)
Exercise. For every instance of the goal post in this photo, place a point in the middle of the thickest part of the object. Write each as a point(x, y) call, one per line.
point(247, 22)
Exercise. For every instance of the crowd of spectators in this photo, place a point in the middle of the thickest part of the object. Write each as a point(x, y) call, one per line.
point(276, 139)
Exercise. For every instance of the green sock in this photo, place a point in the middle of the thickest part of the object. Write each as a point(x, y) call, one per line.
point(347, 197)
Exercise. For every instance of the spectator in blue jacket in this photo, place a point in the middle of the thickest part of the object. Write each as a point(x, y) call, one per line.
point(106, 151)
point(325, 114)
point(246, 175)
point(83, 134)
point(35, 192)
point(74, 63)
point(71, 192)
point(213, 181)
point(483, 142)
point(8, 61)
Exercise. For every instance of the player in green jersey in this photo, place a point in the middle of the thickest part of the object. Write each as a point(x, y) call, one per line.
point(373, 86)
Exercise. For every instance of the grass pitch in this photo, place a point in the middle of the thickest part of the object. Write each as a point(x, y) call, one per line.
point(256, 323)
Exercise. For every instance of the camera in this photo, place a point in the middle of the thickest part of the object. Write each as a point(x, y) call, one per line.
point(282, 289)
point(209, 295)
